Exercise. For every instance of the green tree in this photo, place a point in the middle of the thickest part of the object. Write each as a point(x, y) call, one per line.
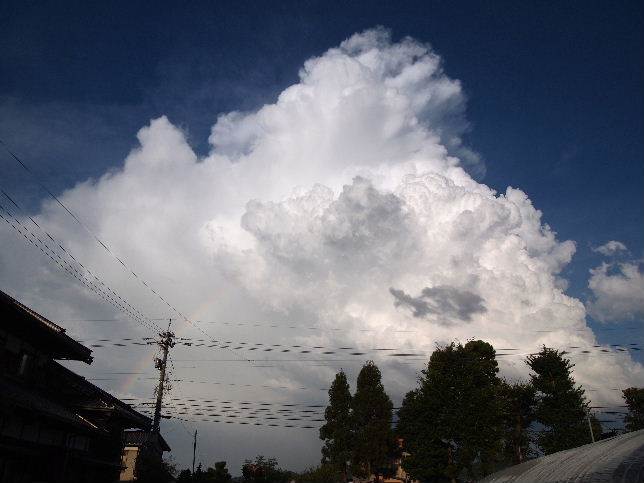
point(336, 432)
point(519, 414)
point(218, 474)
point(371, 421)
point(427, 454)
point(409, 416)
point(263, 470)
point(185, 476)
point(151, 468)
point(634, 398)
point(325, 473)
point(198, 475)
point(561, 405)
point(452, 424)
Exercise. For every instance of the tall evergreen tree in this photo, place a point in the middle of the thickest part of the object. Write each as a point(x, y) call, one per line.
point(518, 411)
point(561, 405)
point(452, 424)
point(371, 421)
point(336, 432)
point(634, 398)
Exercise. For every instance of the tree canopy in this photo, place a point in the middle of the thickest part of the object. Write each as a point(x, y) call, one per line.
point(264, 470)
point(634, 398)
point(561, 405)
point(452, 423)
point(518, 401)
point(372, 413)
point(151, 467)
point(336, 432)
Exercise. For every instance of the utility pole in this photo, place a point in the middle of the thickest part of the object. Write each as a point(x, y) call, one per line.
point(590, 427)
point(166, 342)
point(194, 452)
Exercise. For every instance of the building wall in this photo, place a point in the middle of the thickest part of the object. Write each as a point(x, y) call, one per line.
point(128, 460)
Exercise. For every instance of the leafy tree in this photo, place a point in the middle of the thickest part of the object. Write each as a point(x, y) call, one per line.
point(634, 398)
point(452, 423)
point(265, 471)
point(336, 432)
point(151, 468)
point(561, 405)
point(198, 474)
point(185, 476)
point(409, 415)
point(371, 421)
point(426, 452)
point(325, 473)
point(218, 474)
point(519, 413)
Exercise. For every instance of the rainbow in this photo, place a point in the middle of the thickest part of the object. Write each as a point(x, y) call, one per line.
point(146, 360)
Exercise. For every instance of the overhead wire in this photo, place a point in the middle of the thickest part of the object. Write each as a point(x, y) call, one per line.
point(101, 243)
point(173, 370)
point(106, 293)
point(105, 246)
point(308, 349)
point(292, 326)
point(264, 419)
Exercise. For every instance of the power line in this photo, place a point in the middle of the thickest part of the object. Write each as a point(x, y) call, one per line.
point(229, 401)
point(205, 381)
point(306, 349)
point(237, 415)
point(254, 423)
point(269, 421)
point(65, 265)
point(237, 412)
point(294, 326)
point(101, 242)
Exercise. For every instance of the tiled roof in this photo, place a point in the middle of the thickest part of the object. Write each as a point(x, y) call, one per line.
point(17, 396)
point(18, 318)
point(138, 438)
point(94, 395)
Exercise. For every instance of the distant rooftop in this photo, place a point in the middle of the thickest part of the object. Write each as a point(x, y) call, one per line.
point(618, 459)
point(20, 320)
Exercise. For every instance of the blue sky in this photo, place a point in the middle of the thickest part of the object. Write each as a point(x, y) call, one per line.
point(555, 103)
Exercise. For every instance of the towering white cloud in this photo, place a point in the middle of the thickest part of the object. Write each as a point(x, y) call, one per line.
point(352, 203)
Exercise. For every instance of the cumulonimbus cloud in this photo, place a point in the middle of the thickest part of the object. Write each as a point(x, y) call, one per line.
point(309, 209)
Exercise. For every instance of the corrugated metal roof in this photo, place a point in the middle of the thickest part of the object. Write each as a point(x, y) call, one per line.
point(618, 459)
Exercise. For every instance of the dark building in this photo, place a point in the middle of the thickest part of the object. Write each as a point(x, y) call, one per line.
point(55, 426)
point(135, 442)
